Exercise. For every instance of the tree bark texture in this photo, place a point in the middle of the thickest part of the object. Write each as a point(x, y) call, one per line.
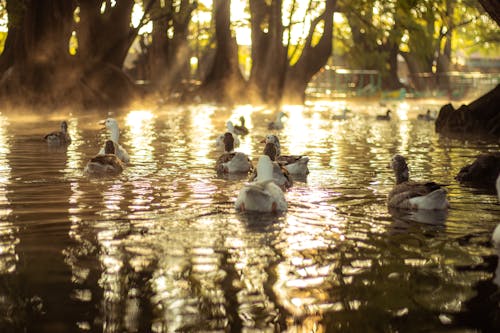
point(312, 59)
point(224, 82)
point(38, 68)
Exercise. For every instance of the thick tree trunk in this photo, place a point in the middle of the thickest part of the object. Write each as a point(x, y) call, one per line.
point(37, 54)
point(169, 55)
point(105, 37)
point(41, 70)
point(493, 9)
point(417, 71)
point(268, 52)
point(224, 82)
point(312, 59)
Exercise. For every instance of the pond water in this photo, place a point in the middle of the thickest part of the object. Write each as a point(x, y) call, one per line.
point(160, 248)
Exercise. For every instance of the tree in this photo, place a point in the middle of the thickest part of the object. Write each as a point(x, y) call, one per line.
point(277, 73)
point(169, 52)
point(224, 82)
point(37, 68)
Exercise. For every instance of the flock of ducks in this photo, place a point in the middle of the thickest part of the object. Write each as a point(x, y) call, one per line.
point(111, 159)
point(273, 174)
point(428, 116)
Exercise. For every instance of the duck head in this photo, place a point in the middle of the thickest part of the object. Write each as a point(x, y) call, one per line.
point(242, 121)
point(228, 142)
point(400, 168)
point(112, 125)
point(270, 150)
point(109, 147)
point(271, 138)
point(64, 126)
point(230, 126)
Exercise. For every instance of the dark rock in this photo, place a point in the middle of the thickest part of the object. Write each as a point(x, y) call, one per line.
point(481, 117)
point(482, 173)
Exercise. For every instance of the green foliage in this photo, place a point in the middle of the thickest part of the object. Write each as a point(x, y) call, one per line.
point(3, 37)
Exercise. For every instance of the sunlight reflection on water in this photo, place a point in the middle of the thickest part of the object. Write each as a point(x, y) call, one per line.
point(160, 248)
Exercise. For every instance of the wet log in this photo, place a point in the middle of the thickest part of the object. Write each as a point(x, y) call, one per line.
point(481, 117)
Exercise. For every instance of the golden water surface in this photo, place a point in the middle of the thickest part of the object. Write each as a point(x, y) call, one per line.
point(160, 248)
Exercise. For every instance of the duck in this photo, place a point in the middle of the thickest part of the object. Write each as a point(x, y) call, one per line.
point(341, 116)
point(281, 176)
point(112, 125)
point(427, 116)
point(241, 129)
point(482, 173)
point(412, 195)
point(294, 164)
point(107, 164)
point(219, 141)
point(262, 195)
point(387, 115)
point(61, 137)
point(277, 124)
point(231, 161)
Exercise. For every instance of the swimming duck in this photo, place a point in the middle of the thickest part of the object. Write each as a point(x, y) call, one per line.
point(277, 124)
point(241, 129)
point(219, 141)
point(105, 164)
point(262, 195)
point(231, 161)
point(482, 173)
point(61, 137)
point(112, 126)
point(295, 164)
point(387, 115)
point(342, 116)
point(427, 116)
point(413, 195)
point(281, 175)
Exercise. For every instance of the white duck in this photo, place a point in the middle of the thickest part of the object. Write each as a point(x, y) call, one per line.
point(262, 195)
point(231, 161)
point(61, 137)
point(277, 124)
point(295, 164)
point(107, 164)
point(281, 176)
point(412, 195)
point(219, 141)
point(112, 126)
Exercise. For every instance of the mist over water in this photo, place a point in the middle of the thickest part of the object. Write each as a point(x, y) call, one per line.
point(160, 248)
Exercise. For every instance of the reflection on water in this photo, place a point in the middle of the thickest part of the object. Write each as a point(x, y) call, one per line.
point(161, 249)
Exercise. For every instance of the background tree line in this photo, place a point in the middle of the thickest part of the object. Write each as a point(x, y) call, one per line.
point(72, 52)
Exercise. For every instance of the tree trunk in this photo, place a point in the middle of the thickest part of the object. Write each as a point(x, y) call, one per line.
point(312, 59)
point(268, 52)
point(224, 82)
point(43, 73)
point(444, 58)
point(169, 55)
point(105, 37)
point(493, 9)
point(37, 54)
